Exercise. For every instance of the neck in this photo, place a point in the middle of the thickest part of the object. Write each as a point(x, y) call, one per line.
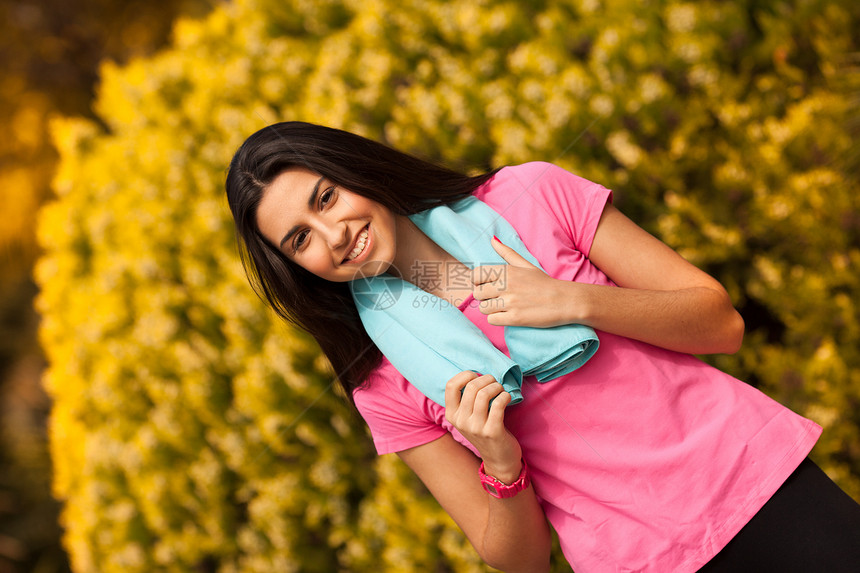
point(428, 266)
point(414, 249)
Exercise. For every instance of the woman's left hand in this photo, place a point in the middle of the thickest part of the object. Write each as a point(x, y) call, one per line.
point(519, 293)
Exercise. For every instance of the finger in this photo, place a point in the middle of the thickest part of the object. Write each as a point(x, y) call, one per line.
point(510, 255)
point(501, 318)
point(485, 291)
point(484, 397)
point(487, 274)
point(496, 416)
point(454, 388)
point(491, 305)
point(470, 392)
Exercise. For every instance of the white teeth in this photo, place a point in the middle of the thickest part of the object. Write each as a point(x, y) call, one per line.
point(359, 245)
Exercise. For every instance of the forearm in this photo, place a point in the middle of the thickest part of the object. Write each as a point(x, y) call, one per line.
point(510, 534)
point(697, 320)
point(517, 537)
point(661, 298)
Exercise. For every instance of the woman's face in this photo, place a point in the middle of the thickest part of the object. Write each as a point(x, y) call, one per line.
point(326, 229)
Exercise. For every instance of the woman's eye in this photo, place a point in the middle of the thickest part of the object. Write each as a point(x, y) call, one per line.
point(326, 197)
point(300, 239)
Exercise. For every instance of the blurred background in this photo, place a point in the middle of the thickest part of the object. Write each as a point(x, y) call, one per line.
point(155, 416)
point(50, 53)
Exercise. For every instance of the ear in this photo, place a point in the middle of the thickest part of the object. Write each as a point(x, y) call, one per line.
point(511, 256)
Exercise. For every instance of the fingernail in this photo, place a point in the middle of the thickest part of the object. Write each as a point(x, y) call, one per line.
point(496, 238)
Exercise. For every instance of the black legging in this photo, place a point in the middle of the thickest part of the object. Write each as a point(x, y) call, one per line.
point(809, 526)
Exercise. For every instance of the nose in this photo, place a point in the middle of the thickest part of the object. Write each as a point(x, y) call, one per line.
point(336, 234)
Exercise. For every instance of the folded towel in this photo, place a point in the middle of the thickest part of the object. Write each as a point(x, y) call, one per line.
point(428, 343)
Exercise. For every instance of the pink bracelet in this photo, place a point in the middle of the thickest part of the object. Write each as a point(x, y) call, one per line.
point(502, 490)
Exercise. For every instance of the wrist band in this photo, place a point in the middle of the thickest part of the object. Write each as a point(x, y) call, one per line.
point(501, 490)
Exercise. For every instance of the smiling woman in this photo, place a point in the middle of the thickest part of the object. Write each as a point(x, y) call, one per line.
point(271, 186)
point(330, 231)
point(641, 456)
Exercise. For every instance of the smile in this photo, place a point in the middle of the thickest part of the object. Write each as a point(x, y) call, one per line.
point(361, 244)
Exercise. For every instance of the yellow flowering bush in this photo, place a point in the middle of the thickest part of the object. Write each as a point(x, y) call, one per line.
point(194, 432)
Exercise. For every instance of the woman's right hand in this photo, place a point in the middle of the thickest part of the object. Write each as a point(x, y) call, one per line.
point(510, 534)
point(475, 405)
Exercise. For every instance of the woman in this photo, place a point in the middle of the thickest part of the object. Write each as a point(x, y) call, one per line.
point(642, 459)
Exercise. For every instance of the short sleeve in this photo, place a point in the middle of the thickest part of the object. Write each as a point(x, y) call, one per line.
point(399, 417)
point(574, 202)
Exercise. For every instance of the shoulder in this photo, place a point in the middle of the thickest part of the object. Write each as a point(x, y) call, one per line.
point(538, 180)
point(398, 415)
point(540, 197)
point(384, 387)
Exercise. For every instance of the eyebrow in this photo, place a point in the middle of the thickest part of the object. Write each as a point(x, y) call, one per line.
point(311, 201)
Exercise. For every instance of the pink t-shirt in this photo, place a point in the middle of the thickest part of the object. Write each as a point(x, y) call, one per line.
point(644, 459)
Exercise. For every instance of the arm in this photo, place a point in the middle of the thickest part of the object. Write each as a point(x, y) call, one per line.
point(509, 534)
point(663, 299)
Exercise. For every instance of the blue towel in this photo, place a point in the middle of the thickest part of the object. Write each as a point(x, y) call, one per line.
point(429, 341)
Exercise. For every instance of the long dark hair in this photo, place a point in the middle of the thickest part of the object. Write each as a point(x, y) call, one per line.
point(402, 183)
